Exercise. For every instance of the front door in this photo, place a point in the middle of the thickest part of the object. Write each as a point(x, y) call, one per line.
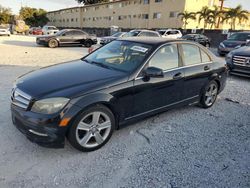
point(156, 93)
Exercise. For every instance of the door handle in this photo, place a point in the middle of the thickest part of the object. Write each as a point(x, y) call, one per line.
point(206, 68)
point(177, 76)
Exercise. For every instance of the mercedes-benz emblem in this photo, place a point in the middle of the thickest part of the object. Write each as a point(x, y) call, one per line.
point(247, 62)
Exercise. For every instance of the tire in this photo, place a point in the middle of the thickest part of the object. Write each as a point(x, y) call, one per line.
point(207, 45)
point(88, 43)
point(53, 43)
point(87, 133)
point(209, 95)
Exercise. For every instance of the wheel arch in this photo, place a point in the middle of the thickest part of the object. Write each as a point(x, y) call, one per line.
point(89, 101)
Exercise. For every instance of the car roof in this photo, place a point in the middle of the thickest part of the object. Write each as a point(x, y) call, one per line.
point(150, 40)
point(143, 30)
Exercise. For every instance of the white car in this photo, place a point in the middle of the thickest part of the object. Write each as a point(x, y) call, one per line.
point(49, 30)
point(4, 31)
point(170, 33)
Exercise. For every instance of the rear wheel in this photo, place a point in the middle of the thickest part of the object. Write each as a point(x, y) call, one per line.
point(92, 129)
point(209, 95)
point(53, 43)
point(88, 43)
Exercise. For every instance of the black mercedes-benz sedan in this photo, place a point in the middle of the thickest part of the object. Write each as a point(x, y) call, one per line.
point(122, 82)
point(108, 39)
point(238, 61)
point(202, 39)
point(67, 37)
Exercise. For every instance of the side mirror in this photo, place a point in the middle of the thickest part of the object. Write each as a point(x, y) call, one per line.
point(153, 72)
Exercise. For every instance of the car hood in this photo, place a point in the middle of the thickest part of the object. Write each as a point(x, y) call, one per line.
point(69, 79)
point(232, 43)
point(243, 51)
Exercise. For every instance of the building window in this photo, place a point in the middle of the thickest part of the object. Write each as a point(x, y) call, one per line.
point(173, 14)
point(72, 19)
point(67, 20)
point(158, 1)
point(145, 2)
point(76, 20)
point(119, 17)
point(144, 16)
point(134, 16)
point(157, 15)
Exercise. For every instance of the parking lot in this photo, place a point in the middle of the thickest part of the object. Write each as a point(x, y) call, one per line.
point(185, 147)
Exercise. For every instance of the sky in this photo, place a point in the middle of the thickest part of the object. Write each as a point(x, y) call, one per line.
point(50, 5)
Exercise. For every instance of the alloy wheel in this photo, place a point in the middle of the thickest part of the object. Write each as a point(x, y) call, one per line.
point(211, 94)
point(93, 129)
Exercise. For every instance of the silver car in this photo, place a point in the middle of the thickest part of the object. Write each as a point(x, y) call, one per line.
point(4, 31)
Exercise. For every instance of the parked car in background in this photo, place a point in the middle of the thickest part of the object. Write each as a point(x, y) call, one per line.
point(236, 40)
point(124, 81)
point(238, 61)
point(170, 33)
point(4, 31)
point(35, 31)
point(67, 37)
point(108, 39)
point(202, 39)
point(142, 33)
point(49, 30)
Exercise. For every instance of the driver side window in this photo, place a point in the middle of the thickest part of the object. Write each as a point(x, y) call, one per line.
point(165, 58)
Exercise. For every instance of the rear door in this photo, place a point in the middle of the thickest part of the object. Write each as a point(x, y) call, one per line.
point(78, 36)
point(198, 68)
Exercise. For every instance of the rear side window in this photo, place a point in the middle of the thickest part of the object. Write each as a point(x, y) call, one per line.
point(204, 57)
point(191, 54)
point(151, 34)
point(165, 58)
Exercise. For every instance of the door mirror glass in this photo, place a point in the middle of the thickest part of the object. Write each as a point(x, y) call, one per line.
point(248, 42)
point(153, 72)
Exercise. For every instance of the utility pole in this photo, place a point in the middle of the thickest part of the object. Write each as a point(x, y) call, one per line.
point(221, 8)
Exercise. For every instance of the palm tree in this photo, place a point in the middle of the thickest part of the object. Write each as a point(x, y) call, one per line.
point(221, 8)
point(235, 14)
point(213, 17)
point(185, 16)
point(204, 14)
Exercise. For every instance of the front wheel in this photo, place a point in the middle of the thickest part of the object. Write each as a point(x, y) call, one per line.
point(92, 129)
point(88, 43)
point(53, 43)
point(209, 95)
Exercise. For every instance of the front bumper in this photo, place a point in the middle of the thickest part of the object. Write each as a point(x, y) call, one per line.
point(40, 128)
point(41, 42)
point(224, 51)
point(239, 70)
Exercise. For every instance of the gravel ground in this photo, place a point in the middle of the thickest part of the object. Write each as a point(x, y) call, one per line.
point(186, 147)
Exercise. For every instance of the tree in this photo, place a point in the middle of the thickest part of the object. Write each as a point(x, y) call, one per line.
point(185, 16)
point(33, 17)
point(5, 15)
point(204, 14)
point(86, 2)
point(213, 17)
point(235, 14)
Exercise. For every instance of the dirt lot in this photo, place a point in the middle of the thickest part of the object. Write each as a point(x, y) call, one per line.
point(187, 147)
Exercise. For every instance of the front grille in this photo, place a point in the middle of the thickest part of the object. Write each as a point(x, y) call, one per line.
point(20, 99)
point(241, 60)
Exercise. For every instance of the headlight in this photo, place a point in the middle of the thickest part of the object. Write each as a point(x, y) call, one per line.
point(222, 45)
point(50, 105)
point(229, 57)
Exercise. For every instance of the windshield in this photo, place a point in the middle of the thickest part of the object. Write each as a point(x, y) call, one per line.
point(61, 32)
point(188, 36)
point(162, 32)
point(124, 56)
point(52, 28)
point(239, 36)
point(117, 34)
point(131, 34)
